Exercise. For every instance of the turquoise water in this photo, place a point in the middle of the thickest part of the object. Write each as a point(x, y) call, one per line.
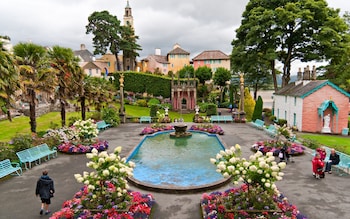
point(180, 162)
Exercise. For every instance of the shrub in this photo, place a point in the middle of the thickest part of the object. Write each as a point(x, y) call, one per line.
point(211, 109)
point(249, 104)
point(153, 111)
point(141, 102)
point(72, 119)
point(54, 125)
point(96, 116)
point(110, 116)
point(257, 114)
point(7, 152)
point(310, 143)
point(21, 142)
point(152, 102)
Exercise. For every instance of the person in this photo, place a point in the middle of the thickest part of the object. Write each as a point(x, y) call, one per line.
point(45, 189)
point(317, 167)
point(333, 160)
point(284, 154)
point(322, 152)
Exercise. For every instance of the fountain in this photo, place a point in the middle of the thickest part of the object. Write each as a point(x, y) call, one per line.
point(180, 131)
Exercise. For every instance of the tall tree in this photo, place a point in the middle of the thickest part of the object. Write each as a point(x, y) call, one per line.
point(67, 67)
point(9, 79)
point(129, 47)
point(186, 71)
point(221, 77)
point(291, 30)
point(109, 35)
point(203, 74)
point(36, 75)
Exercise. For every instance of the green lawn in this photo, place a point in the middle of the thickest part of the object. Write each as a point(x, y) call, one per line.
point(340, 143)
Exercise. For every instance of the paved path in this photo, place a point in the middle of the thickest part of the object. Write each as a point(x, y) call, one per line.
point(318, 199)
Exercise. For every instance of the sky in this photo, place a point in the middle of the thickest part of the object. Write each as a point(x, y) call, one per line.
point(196, 25)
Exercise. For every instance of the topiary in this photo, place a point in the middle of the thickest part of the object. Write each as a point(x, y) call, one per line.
point(211, 109)
point(249, 104)
point(257, 114)
point(154, 110)
point(153, 101)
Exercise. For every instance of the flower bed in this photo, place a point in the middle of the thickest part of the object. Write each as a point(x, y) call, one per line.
point(81, 148)
point(105, 192)
point(156, 128)
point(141, 205)
point(275, 147)
point(210, 128)
point(215, 205)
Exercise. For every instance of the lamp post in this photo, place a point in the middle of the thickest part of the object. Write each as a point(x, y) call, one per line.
point(121, 114)
point(242, 113)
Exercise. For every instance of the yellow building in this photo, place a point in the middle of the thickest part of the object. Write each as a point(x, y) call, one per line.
point(177, 58)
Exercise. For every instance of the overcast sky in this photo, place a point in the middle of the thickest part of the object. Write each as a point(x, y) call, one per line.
point(196, 25)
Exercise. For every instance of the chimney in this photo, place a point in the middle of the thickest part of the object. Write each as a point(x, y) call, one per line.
point(158, 52)
point(313, 73)
point(82, 47)
point(300, 75)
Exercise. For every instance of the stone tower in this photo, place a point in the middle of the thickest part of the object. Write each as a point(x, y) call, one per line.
point(129, 62)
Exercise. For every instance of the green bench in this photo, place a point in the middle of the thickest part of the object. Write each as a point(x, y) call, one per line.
point(343, 165)
point(102, 125)
point(217, 118)
point(258, 123)
point(35, 154)
point(9, 168)
point(271, 130)
point(145, 119)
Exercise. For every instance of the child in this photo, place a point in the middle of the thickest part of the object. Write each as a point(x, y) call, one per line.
point(45, 188)
point(317, 167)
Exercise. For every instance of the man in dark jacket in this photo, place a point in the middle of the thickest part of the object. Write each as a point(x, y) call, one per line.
point(333, 160)
point(45, 188)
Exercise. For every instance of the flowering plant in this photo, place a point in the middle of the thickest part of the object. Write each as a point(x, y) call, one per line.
point(87, 129)
point(156, 128)
point(275, 147)
point(71, 147)
point(258, 175)
point(284, 131)
point(63, 134)
point(214, 205)
point(210, 128)
point(105, 193)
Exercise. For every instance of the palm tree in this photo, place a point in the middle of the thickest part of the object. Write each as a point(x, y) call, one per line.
point(9, 83)
point(68, 74)
point(36, 75)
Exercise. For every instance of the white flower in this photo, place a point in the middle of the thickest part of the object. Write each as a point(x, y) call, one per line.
point(94, 151)
point(238, 147)
point(226, 175)
point(118, 149)
point(212, 160)
point(249, 181)
point(253, 168)
point(91, 187)
point(86, 182)
point(105, 172)
point(231, 168)
point(89, 155)
point(218, 156)
point(232, 160)
point(267, 185)
point(269, 154)
point(267, 175)
point(223, 153)
point(101, 160)
point(282, 165)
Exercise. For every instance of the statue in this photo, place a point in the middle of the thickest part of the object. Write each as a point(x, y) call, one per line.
point(326, 124)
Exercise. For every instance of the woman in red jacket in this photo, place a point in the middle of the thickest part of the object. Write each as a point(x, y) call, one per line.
point(317, 166)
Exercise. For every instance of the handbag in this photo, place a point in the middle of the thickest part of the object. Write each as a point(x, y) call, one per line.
point(280, 155)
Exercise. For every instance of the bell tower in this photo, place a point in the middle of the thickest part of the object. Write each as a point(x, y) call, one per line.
point(128, 19)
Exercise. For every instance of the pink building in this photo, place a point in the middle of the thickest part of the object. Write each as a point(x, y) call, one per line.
point(213, 59)
point(306, 105)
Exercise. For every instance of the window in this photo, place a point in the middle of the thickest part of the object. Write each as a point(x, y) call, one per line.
point(90, 71)
point(285, 99)
point(285, 115)
point(295, 119)
point(295, 101)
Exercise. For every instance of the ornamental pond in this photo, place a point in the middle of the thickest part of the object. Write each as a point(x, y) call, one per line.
point(176, 164)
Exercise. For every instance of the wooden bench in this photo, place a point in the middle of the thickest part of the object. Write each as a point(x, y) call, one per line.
point(216, 118)
point(145, 119)
point(9, 168)
point(271, 130)
point(102, 125)
point(258, 123)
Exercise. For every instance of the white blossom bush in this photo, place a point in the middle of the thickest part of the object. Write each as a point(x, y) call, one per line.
point(64, 134)
point(259, 169)
point(87, 129)
point(107, 186)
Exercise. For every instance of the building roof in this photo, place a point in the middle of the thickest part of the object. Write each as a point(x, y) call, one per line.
point(303, 89)
point(211, 55)
point(178, 51)
point(158, 58)
point(84, 54)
